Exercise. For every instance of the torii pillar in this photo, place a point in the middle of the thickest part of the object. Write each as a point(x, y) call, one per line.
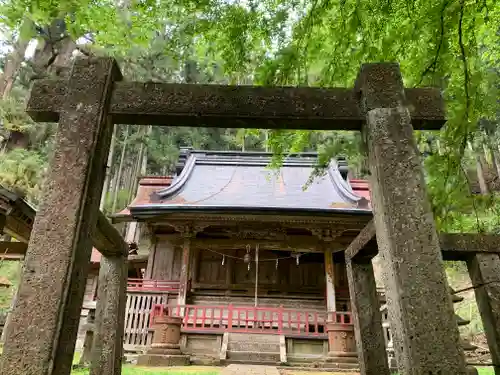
point(420, 308)
point(44, 326)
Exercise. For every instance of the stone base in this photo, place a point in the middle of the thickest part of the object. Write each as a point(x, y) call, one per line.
point(162, 360)
point(159, 351)
point(165, 349)
point(392, 364)
point(341, 357)
point(344, 355)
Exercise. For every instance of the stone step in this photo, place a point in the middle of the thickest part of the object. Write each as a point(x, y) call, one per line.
point(467, 346)
point(341, 366)
point(249, 346)
point(254, 337)
point(455, 298)
point(305, 367)
point(253, 357)
point(342, 359)
point(461, 321)
point(248, 362)
point(337, 366)
point(155, 360)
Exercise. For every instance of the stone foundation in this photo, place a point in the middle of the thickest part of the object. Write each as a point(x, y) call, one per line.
point(341, 341)
point(165, 350)
point(160, 360)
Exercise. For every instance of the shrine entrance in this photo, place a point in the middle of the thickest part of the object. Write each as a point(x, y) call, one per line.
point(93, 98)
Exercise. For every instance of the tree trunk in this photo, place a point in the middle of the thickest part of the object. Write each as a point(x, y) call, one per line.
point(12, 65)
point(134, 172)
point(496, 160)
point(120, 171)
point(480, 171)
point(107, 179)
point(44, 63)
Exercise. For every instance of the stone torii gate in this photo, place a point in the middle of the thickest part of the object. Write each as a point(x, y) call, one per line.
point(45, 317)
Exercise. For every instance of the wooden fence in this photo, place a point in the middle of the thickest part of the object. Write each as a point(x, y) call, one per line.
point(246, 319)
point(142, 295)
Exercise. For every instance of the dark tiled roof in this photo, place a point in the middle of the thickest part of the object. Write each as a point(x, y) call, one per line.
point(240, 180)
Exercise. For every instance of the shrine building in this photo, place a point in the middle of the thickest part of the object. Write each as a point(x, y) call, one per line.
point(247, 255)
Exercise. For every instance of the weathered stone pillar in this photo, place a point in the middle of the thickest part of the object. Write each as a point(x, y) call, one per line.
point(484, 271)
point(184, 279)
point(42, 336)
point(107, 350)
point(330, 282)
point(368, 330)
point(426, 335)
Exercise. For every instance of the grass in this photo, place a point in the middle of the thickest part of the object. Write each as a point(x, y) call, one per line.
point(486, 371)
point(134, 370)
point(481, 371)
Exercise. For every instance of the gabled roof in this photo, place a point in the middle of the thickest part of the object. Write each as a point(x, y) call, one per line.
point(234, 181)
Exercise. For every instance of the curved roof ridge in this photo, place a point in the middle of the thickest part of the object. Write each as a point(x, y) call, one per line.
point(343, 187)
point(179, 182)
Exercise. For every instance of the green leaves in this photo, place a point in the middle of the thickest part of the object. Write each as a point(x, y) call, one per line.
point(451, 44)
point(22, 171)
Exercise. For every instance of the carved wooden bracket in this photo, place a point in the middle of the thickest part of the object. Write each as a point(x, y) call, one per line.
point(326, 234)
point(272, 233)
point(189, 229)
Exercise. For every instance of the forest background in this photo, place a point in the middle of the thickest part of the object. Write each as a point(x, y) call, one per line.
point(450, 44)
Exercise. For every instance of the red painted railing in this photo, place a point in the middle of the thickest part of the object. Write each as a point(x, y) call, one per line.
point(142, 285)
point(244, 319)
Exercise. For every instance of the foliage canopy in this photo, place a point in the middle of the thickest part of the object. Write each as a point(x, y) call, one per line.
point(451, 44)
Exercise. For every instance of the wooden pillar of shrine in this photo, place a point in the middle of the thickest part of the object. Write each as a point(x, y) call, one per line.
point(340, 333)
point(330, 283)
point(148, 274)
point(185, 265)
point(107, 352)
point(484, 270)
point(420, 309)
point(45, 319)
point(229, 271)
